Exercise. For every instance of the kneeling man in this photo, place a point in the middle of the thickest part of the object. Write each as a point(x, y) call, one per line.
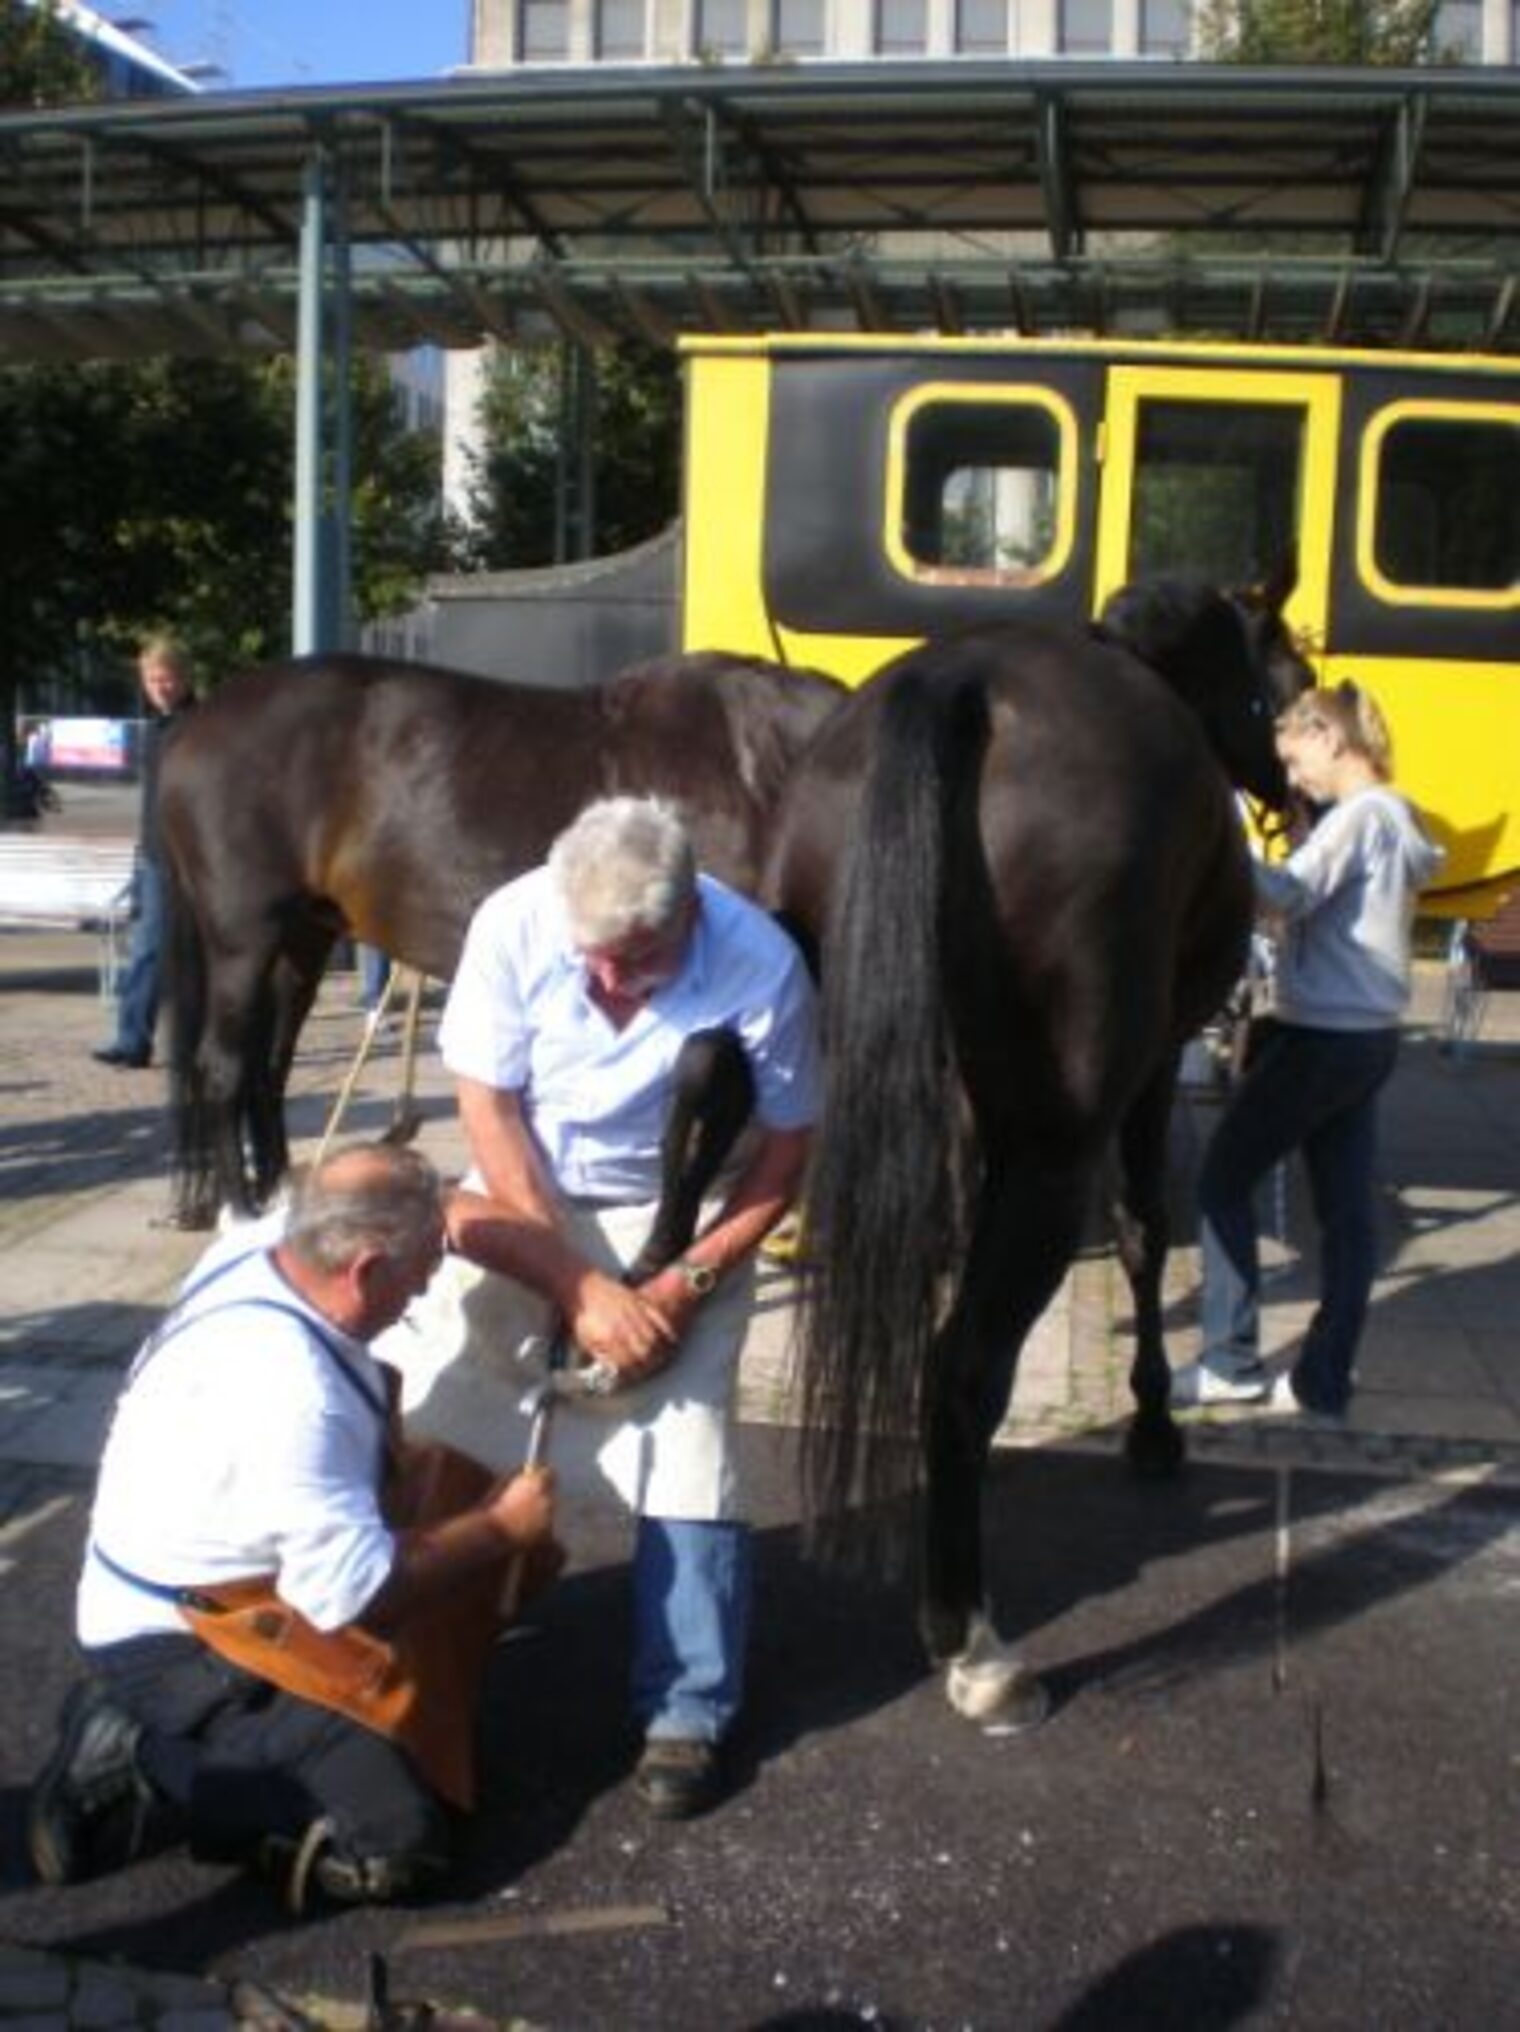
point(285, 1612)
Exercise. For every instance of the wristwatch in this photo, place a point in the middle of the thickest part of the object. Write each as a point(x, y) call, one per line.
point(701, 1278)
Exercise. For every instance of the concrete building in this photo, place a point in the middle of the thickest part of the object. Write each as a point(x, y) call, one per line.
point(507, 33)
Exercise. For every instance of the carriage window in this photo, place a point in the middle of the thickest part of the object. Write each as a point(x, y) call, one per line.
point(1447, 505)
point(1217, 488)
point(979, 487)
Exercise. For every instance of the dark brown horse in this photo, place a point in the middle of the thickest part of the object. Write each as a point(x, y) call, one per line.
point(1018, 856)
point(347, 794)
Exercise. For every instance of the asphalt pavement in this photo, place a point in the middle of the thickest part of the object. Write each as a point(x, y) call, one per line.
point(1281, 1782)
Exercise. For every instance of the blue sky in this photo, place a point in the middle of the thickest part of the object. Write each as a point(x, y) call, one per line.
point(265, 43)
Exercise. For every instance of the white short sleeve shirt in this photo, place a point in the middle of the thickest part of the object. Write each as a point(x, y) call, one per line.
point(249, 1440)
point(519, 1018)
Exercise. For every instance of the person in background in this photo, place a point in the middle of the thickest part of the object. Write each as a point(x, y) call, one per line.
point(164, 671)
point(1342, 906)
point(285, 1611)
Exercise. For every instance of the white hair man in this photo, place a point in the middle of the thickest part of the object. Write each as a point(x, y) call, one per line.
point(580, 986)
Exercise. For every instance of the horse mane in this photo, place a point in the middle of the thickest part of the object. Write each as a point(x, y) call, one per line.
point(1179, 625)
point(883, 1234)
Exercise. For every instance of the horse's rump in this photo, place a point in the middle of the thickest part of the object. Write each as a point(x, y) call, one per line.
point(1031, 846)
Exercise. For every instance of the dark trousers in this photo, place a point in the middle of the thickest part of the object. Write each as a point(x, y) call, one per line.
point(1314, 1090)
point(242, 1760)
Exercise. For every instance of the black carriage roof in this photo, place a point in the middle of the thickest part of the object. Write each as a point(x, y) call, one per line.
point(1305, 205)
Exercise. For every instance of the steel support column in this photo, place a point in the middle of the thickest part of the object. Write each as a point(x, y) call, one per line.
point(320, 599)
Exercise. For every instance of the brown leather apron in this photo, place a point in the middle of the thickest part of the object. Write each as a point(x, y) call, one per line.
point(420, 1688)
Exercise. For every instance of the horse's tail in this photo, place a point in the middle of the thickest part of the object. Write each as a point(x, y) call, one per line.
point(884, 1193)
point(185, 984)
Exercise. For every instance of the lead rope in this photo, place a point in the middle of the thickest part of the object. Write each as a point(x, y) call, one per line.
point(406, 1121)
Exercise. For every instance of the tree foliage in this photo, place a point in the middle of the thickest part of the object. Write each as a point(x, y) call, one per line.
point(41, 64)
point(1319, 31)
point(159, 496)
point(527, 455)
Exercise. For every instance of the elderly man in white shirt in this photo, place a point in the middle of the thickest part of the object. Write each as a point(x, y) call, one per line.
point(579, 986)
point(283, 1614)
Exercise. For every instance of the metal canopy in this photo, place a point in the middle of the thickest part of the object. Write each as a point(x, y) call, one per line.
point(1362, 206)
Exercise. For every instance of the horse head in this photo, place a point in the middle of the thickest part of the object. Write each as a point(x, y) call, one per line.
point(1228, 655)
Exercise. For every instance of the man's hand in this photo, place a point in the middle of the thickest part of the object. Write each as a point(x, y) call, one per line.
point(621, 1327)
point(522, 1506)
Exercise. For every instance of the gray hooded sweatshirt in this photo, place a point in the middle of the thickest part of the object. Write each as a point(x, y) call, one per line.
point(1348, 895)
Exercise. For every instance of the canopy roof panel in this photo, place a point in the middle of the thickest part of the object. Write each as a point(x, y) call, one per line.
point(1369, 205)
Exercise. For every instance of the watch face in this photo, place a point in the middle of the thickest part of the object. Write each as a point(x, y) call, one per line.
point(700, 1278)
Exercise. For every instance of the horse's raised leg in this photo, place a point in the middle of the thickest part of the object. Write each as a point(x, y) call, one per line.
point(1028, 1224)
point(1154, 1444)
point(714, 1093)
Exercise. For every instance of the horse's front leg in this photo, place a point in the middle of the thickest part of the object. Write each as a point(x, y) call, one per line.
point(1154, 1444)
point(1028, 1223)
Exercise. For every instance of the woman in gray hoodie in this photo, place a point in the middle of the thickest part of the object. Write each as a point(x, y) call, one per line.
point(1343, 905)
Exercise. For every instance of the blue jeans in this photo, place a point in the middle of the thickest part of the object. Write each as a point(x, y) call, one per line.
point(137, 991)
point(374, 972)
point(1315, 1090)
point(691, 1600)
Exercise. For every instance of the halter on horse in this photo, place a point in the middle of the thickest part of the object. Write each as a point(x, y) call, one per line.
point(1018, 857)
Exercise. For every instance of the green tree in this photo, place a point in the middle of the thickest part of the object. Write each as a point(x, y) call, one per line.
point(1319, 31)
point(636, 451)
point(41, 64)
point(159, 496)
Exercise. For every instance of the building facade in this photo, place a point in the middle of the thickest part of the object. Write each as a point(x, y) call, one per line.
point(509, 33)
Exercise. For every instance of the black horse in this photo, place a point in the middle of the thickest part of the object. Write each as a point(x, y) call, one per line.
point(1019, 859)
point(348, 794)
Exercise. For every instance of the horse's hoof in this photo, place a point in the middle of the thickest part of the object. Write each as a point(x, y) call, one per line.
point(1154, 1446)
point(1007, 1693)
point(187, 1220)
point(988, 1681)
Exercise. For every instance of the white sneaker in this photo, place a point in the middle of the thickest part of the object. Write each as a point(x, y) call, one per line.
point(1198, 1383)
point(1284, 1400)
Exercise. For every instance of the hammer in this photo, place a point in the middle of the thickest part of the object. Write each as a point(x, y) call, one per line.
point(560, 1380)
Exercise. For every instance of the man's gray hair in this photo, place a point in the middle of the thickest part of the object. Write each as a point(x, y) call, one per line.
point(366, 1196)
point(625, 865)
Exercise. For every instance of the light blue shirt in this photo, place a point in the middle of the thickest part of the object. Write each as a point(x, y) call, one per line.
point(1349, 894)
point(519, 1018)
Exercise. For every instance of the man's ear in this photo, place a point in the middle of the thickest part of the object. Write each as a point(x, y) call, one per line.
point(363, 1271)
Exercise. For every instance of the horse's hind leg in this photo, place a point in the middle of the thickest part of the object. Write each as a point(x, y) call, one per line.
point(1028, 1225)
point(294, 980)
point(1154, 1444)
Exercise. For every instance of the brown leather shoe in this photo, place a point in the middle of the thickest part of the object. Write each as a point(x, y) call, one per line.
point(678, 1777)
